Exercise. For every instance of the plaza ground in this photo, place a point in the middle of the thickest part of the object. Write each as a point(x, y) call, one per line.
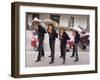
point(31, 54)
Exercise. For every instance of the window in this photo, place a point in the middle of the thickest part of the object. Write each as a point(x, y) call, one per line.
point(29, 18)
point(55, 18)
point(71, 22)
point(35, 15)
point(88, 24)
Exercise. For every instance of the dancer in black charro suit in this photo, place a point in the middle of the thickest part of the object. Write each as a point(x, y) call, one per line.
point(52, 37)
point(63, 37)
point(75, 47)
point(41, 33)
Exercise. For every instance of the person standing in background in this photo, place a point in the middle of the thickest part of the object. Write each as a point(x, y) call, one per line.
point(63, 42)
point(41, 33)
point(75, 46)
point(52, 37)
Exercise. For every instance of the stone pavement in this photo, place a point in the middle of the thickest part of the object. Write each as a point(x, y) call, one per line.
point(31, 54)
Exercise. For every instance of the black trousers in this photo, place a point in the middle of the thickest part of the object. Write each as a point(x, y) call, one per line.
point(63, 51)
point(52, 48)
point(75, 51)
point(40, 50)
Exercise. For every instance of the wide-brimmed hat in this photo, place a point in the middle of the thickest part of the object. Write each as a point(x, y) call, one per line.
point(75, 29)
point(61, 27)
point(49, 21)
point(36, 20)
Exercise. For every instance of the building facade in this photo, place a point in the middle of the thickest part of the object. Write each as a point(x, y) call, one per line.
point(67, 20)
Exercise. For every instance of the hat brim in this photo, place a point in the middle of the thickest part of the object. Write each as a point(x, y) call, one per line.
point(62, 27)
point(34, 21)
point(47, 22)
point(75, 29)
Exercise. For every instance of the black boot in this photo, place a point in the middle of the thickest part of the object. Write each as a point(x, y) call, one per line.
point(60, 56)
point(72, 56)
point(63, 62)
point(75, 60)
point(37, 60)
point(50, 56)
point(51, 62)
point(63, 59)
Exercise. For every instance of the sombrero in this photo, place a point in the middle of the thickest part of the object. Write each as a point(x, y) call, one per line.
point(75, 29)
point(49, 21)
point(62, 27)
point(36, 20)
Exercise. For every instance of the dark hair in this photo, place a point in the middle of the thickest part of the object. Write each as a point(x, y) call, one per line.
point(35, 22)
point(51, 25)
point(76, 32)
point(53, 29)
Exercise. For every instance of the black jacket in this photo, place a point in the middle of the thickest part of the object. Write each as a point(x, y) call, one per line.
point(53, 35)
point(77, 38)
point(64, 38)
point(41, 31)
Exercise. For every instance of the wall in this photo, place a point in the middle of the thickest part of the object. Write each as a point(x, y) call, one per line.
point(79, 20)
point(64, 20)
point(5, 40)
